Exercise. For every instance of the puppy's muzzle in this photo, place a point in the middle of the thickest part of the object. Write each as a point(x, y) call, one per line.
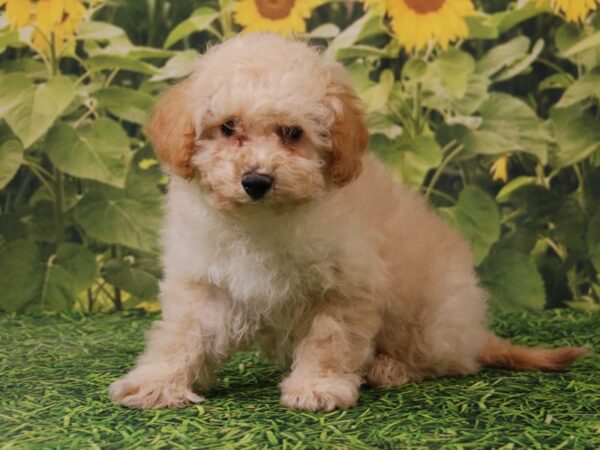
point(256, 185)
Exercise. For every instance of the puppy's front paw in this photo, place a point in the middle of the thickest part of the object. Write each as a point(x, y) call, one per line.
point(140, 389)
point(318, 393)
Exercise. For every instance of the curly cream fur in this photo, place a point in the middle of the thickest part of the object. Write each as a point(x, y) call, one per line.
point(339, 274)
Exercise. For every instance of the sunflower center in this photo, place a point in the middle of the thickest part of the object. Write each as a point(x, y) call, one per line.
point(424, 6)
point(275, 9)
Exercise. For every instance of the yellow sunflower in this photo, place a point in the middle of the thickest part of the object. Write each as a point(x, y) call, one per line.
point(419, 23)
point(56, 20)
point(278, 16)
point(499, 169)
point(18, 12)
point(573, 10)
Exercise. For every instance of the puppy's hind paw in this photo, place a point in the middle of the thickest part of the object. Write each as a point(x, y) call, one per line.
point(319, 393)
point(142, 394)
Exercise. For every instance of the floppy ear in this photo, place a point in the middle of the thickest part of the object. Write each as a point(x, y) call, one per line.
point(171, 129)
point(349, 134)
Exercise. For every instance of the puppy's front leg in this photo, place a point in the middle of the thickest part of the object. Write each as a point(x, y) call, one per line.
point(183, 348)
point(328, 361)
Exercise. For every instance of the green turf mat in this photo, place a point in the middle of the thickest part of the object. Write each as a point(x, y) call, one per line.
point(55, 370)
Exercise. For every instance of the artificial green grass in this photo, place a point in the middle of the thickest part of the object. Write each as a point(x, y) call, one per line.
point(55, 370)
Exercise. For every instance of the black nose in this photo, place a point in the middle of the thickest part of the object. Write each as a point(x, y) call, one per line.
point(256, 185)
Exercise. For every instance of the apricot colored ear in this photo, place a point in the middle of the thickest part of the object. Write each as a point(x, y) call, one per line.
point(349, 134)
point(171, 130)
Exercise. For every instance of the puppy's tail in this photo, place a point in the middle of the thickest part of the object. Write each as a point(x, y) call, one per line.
point(500, 353)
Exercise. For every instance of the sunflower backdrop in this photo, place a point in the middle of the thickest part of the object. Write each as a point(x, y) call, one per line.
point(489, 108)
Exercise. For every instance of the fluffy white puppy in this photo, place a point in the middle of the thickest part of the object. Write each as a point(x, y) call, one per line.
point(280, 230)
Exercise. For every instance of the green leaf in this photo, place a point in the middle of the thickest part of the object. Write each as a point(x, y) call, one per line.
point(481, 26)
point(9, 38)
point(179, 66)
point(585, 87)
point(506, 20)
point(199, 21)
point(13, 90)
point(519, 67)
point(324, 31)
point(125, 275)
point(34, 110)
point(476, 216)
point(556, 81)
point(366, 26)
point(455, 67)
point(129, 216)
point(577, 136)
point(504, 194)
point(127, 104)
point(79, 263)
point(377, 96)
point(591, 42)
point(408, 160)
point(20, 274)
point(593, 240)
point(508, 124)
point(112, 62)
point(99, 151)
point(98, 31)
point(573, 43)
point(56, 293)
point(513, 281)
point(503, 55)
point(11, 158)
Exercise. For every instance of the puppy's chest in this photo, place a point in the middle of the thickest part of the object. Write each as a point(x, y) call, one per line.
point(263, 273)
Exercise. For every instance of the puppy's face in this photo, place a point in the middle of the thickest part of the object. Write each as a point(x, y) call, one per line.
point(262, 121)
point(271, 160)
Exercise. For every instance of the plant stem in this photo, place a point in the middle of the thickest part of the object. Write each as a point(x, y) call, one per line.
point(442, 167)
point(59, 205)
point(225, 19)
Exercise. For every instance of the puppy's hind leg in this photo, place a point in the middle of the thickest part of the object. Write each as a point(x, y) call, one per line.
point(183, 348)
point(385, 371)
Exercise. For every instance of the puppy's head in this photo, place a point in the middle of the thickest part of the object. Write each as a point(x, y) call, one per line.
point(261, 120)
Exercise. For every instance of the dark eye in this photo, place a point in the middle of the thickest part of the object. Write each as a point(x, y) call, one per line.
point(289, 134)
point(228, 128)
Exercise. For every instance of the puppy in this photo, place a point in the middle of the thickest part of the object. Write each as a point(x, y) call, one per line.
point(282, 231)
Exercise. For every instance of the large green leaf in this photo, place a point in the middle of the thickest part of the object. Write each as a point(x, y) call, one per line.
point(377, 96)
point(21, 274)
point(578, 44)
point(481, 26)
point(515, 14)
point(28, 284)
point(99, 151)
point(455, 68)
point(113, 62)
point(408, 160)
point(503, 55)
point(127, 104)
point(98, 31)
point(585, 87)
point(80, 263)
point(366, 26)
point(593, 240)
point(577, 136)
point(31, 110)
point(200, 20)
point(131, 277)
point(179, 66)
point(129, 216)
point(477, 217)
point(523, 64)
point(513, 281)
point(11, 157)
point(508, 124)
